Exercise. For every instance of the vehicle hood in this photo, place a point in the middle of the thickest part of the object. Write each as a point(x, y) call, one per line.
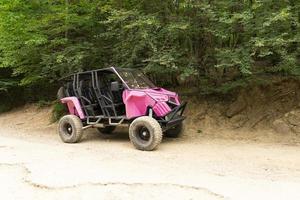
point(160, 94)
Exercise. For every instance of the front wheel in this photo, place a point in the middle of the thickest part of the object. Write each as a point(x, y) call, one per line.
point(70, 129)
point(145, 133)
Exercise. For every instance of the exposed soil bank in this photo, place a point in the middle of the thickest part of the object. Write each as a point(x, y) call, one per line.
point(260, 108)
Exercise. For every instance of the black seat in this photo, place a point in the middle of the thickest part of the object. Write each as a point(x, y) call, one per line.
point(111, 104)
point(88, 98)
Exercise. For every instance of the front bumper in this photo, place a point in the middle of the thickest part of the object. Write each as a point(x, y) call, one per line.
point(174, 117)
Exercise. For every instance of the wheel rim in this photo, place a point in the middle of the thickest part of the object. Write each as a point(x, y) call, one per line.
point(68, 129)
point(144, 134)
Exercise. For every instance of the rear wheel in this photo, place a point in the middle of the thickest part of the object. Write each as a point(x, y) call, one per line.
point(175, 131)
point(61, 93)
point(70, 129)
point(145, 133)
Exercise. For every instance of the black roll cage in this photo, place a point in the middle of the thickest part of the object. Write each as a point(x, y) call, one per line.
point(109, 110)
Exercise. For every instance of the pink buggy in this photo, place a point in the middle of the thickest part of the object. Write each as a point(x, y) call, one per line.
point(107, 98)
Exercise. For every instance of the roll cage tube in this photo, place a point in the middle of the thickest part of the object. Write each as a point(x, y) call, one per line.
point(120, 77)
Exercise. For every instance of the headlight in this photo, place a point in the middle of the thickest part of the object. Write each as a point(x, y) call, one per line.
point(173, 100)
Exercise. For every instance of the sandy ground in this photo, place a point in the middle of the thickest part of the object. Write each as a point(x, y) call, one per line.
point(35, 164)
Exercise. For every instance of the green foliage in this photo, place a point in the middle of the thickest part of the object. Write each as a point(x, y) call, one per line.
point(58, 111)
point(221, 42)
point(5, 84)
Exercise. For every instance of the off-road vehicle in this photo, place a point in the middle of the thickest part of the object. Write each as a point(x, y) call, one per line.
point(107, 98)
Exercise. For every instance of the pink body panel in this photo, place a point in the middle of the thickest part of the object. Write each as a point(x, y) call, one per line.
point(73, 106)
point(137, 101)
point(161, 109)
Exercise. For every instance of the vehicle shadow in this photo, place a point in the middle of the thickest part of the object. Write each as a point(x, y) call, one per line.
point(119, 135)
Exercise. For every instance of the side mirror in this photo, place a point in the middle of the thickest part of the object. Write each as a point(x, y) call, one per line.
point(115, 87)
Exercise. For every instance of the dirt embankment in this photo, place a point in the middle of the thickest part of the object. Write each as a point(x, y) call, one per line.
point(29, 118)
point(267, 111)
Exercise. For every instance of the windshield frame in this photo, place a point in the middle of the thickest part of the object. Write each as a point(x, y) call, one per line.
point(132, 82)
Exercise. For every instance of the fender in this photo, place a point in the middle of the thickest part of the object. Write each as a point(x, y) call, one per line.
point(73, 106)
point(137, 103)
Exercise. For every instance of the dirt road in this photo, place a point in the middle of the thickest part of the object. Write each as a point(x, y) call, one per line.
point(35, 164)
point(38, 166)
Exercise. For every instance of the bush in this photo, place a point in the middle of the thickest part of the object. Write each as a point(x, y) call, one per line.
point(58, 111)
